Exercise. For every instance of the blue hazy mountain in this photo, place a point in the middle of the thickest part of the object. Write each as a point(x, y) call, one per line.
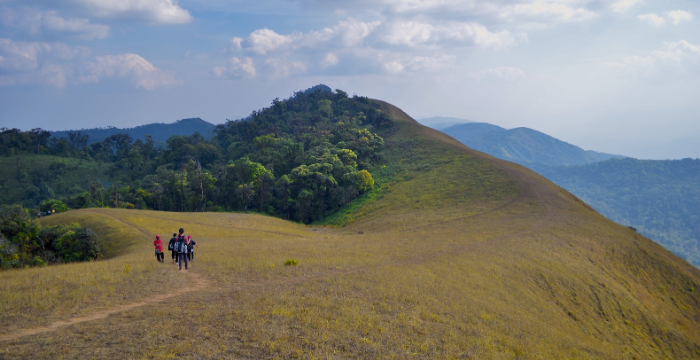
point(159, 131)
point(522, 145)
point(442, 122)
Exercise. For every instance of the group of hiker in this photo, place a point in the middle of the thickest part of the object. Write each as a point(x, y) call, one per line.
point(182, 249)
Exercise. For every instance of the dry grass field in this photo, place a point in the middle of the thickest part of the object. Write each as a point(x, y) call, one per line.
point(459, 256)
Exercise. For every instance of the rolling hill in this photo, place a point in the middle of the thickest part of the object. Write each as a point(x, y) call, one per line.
point(159, 131)
point(460, 255)
point(657, 197)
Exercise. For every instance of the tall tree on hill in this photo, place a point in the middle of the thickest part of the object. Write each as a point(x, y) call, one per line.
point(42, 136)
point(118, 143)
point(78, 139)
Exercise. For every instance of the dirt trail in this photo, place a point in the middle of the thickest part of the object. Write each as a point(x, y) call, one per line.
point(534, 187)
point(199, 281)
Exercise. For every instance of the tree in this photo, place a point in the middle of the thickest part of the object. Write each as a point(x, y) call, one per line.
point(78, 139)
point(285, 184)
point(245, 191)
point(364, 178)
point(42, 136)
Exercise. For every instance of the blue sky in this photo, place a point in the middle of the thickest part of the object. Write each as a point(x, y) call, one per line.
point(619, 76)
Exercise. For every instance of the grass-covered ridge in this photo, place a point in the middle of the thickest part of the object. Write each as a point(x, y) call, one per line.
point(509, 266)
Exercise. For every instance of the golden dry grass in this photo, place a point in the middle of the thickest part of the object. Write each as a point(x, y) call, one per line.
point(465, 257)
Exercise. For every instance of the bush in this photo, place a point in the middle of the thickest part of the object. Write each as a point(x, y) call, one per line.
point(291, 262)
point(52, 204)
point(129, 205)
point(23, 242)
point(364, 178)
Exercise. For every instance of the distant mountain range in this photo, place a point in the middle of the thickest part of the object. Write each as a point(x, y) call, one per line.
point(522, 145)
point(159, 131)
point(659, 198)
point(442, 122)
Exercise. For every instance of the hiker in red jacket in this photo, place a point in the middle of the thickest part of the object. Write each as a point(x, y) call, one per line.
point(158, 243)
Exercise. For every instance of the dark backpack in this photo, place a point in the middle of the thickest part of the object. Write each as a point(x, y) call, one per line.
point(180, 245)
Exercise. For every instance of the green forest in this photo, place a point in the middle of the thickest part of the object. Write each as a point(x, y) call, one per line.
point(24, 242)
point(301, 159)
point(659, 198)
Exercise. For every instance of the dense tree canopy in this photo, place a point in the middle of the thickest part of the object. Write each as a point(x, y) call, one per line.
point(301, 158)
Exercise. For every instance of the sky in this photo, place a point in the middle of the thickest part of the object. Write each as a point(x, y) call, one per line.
point(618, 76)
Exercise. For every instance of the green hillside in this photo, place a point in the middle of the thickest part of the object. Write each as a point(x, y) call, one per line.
point(522, 145)
point(460, 255)
point(660, 198)
point(302, 158)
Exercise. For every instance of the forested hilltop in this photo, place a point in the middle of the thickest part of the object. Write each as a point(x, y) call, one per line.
point(301, 158)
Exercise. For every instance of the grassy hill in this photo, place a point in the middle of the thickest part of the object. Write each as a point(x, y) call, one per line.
point(522, 145)
point(456, 255)
point(159, 131)
point(660, 198)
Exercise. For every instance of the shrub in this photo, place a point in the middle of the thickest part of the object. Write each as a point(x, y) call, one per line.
point(52, 204)
point(24, 242)
point(291, 262)
point(364, 178)
point(129, 205)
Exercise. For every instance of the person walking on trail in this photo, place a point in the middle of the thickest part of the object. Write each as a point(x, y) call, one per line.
point(190, 247)
point(181, 248)
point(171, 247)
point(158, 243)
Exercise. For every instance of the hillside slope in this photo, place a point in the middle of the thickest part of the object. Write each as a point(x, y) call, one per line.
point(159, 131)
point(660, 198)
point(457, 254)
point(522, 145)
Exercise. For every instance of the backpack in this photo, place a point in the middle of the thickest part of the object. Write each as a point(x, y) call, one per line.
point(180, 246)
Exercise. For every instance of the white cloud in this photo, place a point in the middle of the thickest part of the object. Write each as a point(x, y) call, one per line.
point(264, 40)
point(674, 17)
point(38, 22)
point(414, 33)
point(674, 58)
point(652, 19)
point(431, 63)
point(278, 68)
point(624, 5)
point(237, 68)
point(516, 12)
point(678, 16)
point(393, 67)
point(329, 60)
point(544, 12)
point(503, 73)
point(143, 73)
point(348, 33)
point(57, 64)
point(150, 11)
point(33, 62)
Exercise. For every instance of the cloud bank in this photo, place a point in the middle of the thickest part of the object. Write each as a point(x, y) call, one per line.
point(58, 65)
